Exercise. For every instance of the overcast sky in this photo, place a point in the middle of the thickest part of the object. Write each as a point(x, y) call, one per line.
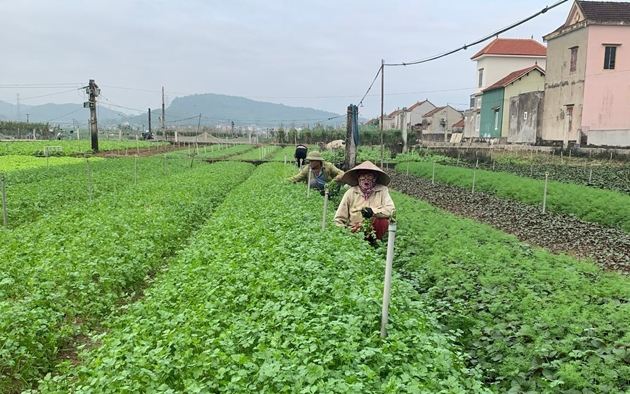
point(322, 54)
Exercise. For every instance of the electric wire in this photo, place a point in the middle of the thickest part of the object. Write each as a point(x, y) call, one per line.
point(479, 41)
point(69, 113)
point(380, 69)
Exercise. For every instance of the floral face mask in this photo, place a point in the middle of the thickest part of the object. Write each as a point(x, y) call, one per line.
point(367, 183)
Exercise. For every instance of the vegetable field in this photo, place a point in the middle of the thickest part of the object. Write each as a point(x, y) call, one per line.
point(69, 148)
point(254, 306)
point(168, 274)
point(605, 207)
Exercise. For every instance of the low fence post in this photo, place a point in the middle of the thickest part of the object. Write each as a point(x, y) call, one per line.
point(545, 193)
point(388, 275)
point(326, 191)
point(4, 204)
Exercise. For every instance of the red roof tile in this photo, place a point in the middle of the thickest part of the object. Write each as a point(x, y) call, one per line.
point(419, 103)
point(513, 76)
point(461, 123)
point(433, 112)
point(513, 46)
point(393, 113)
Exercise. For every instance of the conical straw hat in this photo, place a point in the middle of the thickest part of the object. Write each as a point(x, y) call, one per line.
point(350, 177)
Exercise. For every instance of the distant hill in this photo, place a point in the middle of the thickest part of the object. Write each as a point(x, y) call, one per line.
point(218, 108)
point(56, 113)
point(215, 109)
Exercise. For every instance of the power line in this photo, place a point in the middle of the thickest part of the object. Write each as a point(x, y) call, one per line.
point(495, 34)
point(69, 113)
point(39, 86)
point(49, 94)
point(370, 88)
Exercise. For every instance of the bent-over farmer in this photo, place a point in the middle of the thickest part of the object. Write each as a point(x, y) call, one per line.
point(323, 172)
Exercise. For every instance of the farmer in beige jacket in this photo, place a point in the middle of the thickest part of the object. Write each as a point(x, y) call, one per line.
point(367, 199)
point(323, 172)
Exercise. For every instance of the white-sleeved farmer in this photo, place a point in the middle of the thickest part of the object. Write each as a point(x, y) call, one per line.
point(368, 198)
point(323, 172)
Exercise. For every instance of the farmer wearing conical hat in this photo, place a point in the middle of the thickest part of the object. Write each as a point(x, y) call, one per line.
point(367, 199)
point(323, 172)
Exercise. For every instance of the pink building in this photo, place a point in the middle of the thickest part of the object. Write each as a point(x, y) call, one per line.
point(587, 92)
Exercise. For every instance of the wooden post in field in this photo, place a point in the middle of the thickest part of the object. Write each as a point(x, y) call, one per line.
point(545, 193)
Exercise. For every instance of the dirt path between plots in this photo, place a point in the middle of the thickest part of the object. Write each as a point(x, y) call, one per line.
point(558, 233)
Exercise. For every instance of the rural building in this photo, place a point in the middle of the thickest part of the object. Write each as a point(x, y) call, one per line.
point(417, 111)
point(495, 99)
point(496, 60)
point(587, 97)
point(438, 123)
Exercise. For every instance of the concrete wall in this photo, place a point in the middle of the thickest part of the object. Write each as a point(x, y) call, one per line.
point(469, 124)
point(619, 138)
point(563, 87)
point(532, 82)
point(525, 117)
point(496, 67)
point(606, 114)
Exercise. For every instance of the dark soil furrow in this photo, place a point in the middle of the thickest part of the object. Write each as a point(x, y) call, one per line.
point(609, 248)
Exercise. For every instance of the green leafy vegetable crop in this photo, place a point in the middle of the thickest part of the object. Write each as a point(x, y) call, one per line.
point(533, 322)
point(608, 208)
point(64, 274)
point(259, 303)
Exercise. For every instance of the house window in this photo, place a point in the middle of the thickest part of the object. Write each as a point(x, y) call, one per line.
point(609, 57)
point(524, 115)
point(496, 120)
point(479, 102)
point(574, 53)
point(480, 84)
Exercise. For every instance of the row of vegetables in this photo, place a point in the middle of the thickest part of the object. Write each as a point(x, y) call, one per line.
point(35, 192)
point(606, 207)
point(70, 268)
point(69, 147)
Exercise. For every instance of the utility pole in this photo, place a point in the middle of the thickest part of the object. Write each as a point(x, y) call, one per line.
point(163, 116)
point(149, 121)
point(27, 118)
point(18, 106)
point(404, 129)
point(382, 104)
point(93, 91)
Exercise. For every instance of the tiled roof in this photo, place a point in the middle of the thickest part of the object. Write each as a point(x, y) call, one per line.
point(606, 11)
point(513, 46)
point(513, 76)
point(419, 103)
point(461, 123)
point(393, 114)
point(433, 112)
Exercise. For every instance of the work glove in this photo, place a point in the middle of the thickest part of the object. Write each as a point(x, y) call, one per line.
point(367, 212)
